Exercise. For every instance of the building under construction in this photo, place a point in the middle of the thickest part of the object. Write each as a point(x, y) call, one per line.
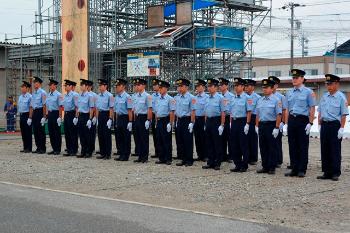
point(135, 38)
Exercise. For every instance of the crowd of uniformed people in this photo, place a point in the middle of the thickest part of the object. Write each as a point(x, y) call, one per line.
point(225, 126)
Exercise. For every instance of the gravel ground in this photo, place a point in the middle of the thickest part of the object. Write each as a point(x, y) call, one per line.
point(309, 204)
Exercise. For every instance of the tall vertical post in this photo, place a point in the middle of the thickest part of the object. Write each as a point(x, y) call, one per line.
point(292, 38)
point(335, 53)
point(21, 61)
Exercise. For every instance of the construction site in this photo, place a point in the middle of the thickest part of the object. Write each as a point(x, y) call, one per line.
point(191, 39)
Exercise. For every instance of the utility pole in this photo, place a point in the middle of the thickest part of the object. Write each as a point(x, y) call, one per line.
point(292, 6)
point(335, 53)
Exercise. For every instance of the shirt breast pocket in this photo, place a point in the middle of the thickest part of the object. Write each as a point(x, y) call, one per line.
point(334, 108)
point(301, 100)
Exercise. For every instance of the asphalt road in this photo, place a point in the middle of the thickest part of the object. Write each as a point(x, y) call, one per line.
point(31, 210)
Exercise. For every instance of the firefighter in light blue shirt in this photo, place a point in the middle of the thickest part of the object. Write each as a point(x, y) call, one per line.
point(84, 115)
point(301, 110)
point(123, 120)
point(224, 84)
point(155, 96)
point(165, 122)
point(37, 115)
point(241, 111)
point(70, 105)
point(198, 129)
point(143, 119)
point(268, 119)
point(252, 135)
point(54, 115)
point(23, 108)
point(105, 115)
point(215, 123)
point(283, 99)
point(333, 110)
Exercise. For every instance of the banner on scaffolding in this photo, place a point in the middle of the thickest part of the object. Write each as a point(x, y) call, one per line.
point(75, 40)
point(143, 64)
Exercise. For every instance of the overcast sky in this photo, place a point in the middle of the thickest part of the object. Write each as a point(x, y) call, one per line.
point(320, 23)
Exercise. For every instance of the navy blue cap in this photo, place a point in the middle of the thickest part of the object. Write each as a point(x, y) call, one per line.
point(163, 84)
point(183, 81)
point(224, 81)
point(103, 82)
point(331, 78)
point(275, 79)
point(250, 82)
point(297, 73)
point(268, 83)
point(37, 80)
point(52, 81)
point(120, 81)
point(198, 82)
point(212, 81)
point(240, 81)
point(26, 84)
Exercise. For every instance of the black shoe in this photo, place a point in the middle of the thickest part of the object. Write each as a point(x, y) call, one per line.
point(289, 167)
point(159, 162)
point(272, 172)
point(230, 161)
point(100, 157)
point(27, 151)
point(180, 164)
point(236, 169)
point(88, 156)
point(107, 157)
point(56, 153)
point(335, 178)
point(67, 155)
point(138, 161)
point(252, 163)
point(168, 163)
point(207, 167)
point(243, 170)
point(144, 161)
point(324, 177)
point(217, 168)
point(40, 152)
point(262, 171)
point(81, 156)
point(21, 151)
point(301, 174)
point(154, 156)
point(188, 164)
point(118, 159)
point(291, 174)
point(35, 151)
point(134, 155)
point(278, 165)
point(98, 153)
point(51, 153)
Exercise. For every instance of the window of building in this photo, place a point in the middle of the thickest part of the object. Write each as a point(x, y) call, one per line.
point(276, 73)
point(338, 71)
point(311, 71)
point(248, 74)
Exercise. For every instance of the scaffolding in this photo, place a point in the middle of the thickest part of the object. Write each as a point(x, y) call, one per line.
point(113, 22)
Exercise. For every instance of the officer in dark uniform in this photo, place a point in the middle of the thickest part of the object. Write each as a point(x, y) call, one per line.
point(70, 104)
point(165, 122)
point(226, 142)
point(268, 119)
point(241, 110)
point(123, 120)
point(143, 119)
point(105, 115)
point(301, 109)
point(252, 135)
point(54, 115)
point(333, 110)
point(185, 113)
point(198, 129)
point(23, 108)
point(155, 96)
point(215, 123)
point(83, 118)
point(37, 115)
point(93, 130)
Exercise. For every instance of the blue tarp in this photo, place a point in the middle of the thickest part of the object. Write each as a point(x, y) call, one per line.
point(170, 9)
point(223, 37)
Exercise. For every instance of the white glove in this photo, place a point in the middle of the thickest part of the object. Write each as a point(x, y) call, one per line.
point(190, 127)
point(281, 127)
point(308, 129)
point(221, 129)
point(75, 120)
point(257, 130)
point(129, 126)
point(285, 130)
point(29, 122)
point(94, 121)
point(109, 124)
point(319, 128)
point(89, 123)
point(14, 117)
point(168, 127)
point(340, 133)
point(246, 129)
point(43, 121)
point(275, 132)
point(176, 124)
point(59, 121)
point(230, 125)
point(205, 127)
point(147, 124)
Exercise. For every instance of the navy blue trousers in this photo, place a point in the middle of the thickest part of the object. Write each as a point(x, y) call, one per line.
point(164, 140)
point(267, 143)
point(239, 143)
point(39, 130)
point(54, 131)
point(252, 141)
point(298, 143)
point(184, 140)
point(104, 134)
point(123, 136)
point(142, 137)
point(331, 148)
point(199, 136)
point(26, 131)
point(214, 141)
point(70, 132)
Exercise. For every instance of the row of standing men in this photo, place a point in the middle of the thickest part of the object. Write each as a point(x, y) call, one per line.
point(226, 126)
